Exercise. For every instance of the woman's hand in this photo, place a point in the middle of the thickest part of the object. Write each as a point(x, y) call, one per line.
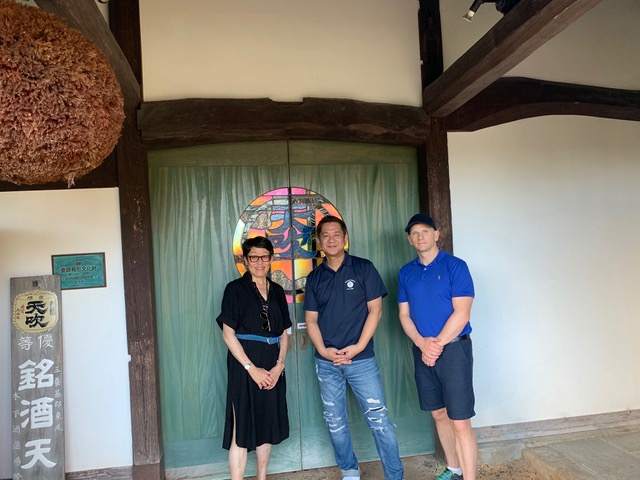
point(275, 374)
point(262, 378)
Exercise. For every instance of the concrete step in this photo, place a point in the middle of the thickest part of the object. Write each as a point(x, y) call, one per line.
point(614, 456)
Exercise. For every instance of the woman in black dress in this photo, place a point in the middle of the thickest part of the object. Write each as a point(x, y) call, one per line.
point(254, 320)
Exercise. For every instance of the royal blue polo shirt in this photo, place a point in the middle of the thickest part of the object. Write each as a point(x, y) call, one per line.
point(430, 288)
point(340, 298)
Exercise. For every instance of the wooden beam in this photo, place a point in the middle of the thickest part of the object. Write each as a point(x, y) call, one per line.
point(177, 123)
point(514, 98)
point(526, 27)
point(433, 155)
point(430, 36)
point(146, 428)
point(126, 30)
point(84, 15)
point(137, 259)
point(435, 191)
point(135, 219)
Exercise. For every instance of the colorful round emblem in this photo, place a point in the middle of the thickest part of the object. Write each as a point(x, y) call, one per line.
point(288, 217)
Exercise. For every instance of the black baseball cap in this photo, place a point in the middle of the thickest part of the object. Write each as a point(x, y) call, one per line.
point(420, 218)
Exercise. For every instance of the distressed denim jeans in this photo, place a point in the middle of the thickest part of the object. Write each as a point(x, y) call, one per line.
point(363, 377)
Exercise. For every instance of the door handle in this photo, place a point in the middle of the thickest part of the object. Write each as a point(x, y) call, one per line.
point(303, 341)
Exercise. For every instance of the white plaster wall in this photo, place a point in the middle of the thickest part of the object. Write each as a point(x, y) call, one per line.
point(282, 49)
point(546, 211)
point(34, 226)
point(547, 214)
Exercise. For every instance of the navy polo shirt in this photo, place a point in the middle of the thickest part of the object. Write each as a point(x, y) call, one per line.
point(430, 288)
point(340, 298)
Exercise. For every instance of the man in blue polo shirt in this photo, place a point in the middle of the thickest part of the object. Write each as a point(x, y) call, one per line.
point(343, 306)
point(435, 293)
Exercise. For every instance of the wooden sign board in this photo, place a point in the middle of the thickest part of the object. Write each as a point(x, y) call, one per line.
point(36, 378)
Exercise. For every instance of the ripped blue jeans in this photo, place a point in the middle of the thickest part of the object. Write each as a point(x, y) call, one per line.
point(363, 377)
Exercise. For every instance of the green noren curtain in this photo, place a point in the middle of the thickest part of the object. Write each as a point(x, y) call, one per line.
point(197, 197)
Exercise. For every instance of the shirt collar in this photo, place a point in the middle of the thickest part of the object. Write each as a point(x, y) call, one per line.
point(345, 261)
point(435, 261)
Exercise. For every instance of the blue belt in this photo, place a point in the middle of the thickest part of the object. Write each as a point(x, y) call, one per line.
point(258, 338)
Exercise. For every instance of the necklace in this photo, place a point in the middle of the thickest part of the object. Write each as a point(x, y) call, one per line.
point(264, 313)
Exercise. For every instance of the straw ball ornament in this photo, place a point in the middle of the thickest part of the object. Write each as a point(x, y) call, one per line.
point(61, 108)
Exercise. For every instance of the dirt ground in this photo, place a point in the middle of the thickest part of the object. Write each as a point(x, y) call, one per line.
point(517, 470)
point(425, 468)
point(417, 468)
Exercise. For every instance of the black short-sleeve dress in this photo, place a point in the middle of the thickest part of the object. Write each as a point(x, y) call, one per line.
point(261, 415)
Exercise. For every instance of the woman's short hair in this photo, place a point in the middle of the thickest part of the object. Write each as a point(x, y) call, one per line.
point(257, 242)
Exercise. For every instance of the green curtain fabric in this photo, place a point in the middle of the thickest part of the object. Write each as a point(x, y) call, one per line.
point(375, 189)
point(197, 195)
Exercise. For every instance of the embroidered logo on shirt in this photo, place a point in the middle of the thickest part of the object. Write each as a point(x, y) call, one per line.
point(350, 284)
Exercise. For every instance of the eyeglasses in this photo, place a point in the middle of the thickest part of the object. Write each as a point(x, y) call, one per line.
point(264, 315)
point(255, 258)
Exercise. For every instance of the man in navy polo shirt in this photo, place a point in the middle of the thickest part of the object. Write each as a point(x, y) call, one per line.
point(343, 306)
point(435, 293)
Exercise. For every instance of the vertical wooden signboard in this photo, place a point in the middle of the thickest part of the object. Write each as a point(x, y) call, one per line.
point(36, 378)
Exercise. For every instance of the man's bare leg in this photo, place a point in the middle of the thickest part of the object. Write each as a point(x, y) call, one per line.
point(466, 448)
point(447, 437)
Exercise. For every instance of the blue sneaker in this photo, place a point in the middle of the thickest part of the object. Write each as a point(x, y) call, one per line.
point(446, 474)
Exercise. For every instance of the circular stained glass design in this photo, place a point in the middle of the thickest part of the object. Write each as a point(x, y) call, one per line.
point(288, 217)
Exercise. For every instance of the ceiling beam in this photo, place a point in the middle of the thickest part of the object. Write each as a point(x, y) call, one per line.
point(85, 16)
point(178, 123)
point(430, 37)
point(526, 27)
point(515, 98)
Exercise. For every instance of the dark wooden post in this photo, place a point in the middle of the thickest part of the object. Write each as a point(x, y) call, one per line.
point(433, 156)
point(138, 262)
point(435, 192)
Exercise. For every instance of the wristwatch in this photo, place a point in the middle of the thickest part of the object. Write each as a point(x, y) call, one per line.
point(247, 366)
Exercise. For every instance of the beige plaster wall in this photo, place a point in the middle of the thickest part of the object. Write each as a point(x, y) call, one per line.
point(283, 49)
